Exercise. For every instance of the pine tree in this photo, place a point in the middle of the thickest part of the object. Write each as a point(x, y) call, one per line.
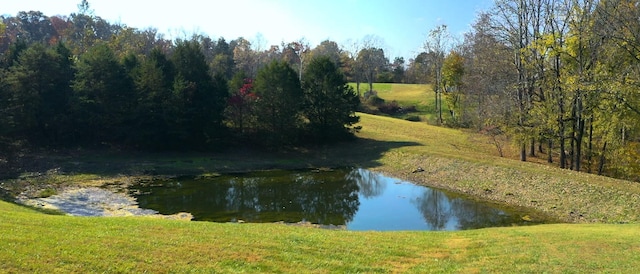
point(103, 95)
point(279, 103)
point(329, 103)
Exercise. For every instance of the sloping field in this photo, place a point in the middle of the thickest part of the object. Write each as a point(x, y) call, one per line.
point(466, 163)
point(407, 95)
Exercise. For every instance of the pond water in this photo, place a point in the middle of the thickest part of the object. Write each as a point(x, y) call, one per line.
point(356, 198)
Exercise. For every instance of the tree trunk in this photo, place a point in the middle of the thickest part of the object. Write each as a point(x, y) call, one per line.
point(578, 152)
point(532, 148)
point(561, 120)
point(563, 154)
point(439, 90)
point(436, 107)
point(300, 70)
point(579, 135)
point(523, 152)
point(590, 146)
point(602, 159)
point(549, 150)
point(440, 107)
point(573, 149)
point(540, 146)
point(480, 110)
point(574, 130)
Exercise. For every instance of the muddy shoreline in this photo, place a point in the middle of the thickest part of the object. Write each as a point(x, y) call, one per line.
point(95, 202)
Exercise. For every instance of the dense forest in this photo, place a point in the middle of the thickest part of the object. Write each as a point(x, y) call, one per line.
point(558, 78)
point(82, 81)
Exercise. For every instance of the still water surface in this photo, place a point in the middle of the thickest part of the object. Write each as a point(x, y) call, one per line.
point(356, 198)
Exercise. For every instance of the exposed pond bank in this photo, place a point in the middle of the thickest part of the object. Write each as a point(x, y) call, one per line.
point(93, 201)
point(561, 194)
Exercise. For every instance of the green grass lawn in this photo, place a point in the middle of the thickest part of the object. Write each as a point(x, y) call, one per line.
point(455, 160)
point(418, 95)
point(33, 242)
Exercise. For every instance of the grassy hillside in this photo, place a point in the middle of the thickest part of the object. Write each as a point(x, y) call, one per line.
point(455, 160)
point(410, 94)
point(466, 163)
point(407, 95)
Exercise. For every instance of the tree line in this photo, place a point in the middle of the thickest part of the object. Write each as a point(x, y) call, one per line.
point(79, 80)
point(558, 77)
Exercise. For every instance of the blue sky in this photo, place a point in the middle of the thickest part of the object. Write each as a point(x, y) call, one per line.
point(403, 25)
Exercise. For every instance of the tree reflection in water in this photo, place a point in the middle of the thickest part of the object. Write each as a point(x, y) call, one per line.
point(445, 211)
point(323, 198)
point(435, 208)
point(358, 198)
point(371, 184)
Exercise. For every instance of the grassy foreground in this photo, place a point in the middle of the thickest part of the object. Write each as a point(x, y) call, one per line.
point(454, 160)
point(32, 242)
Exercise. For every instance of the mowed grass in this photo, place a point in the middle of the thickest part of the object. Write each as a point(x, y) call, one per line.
point(33, 242)
point(404, 93)
point(452, 159)
point(418, 95)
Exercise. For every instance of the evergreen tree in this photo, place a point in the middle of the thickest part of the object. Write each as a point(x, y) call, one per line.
point(202, 97)
point(222, 62)
point(5, 117)
point(103, 95)
point(329, 103)
point(11, 56)
point(279, 103)
point(39, 94)
point(156, 107)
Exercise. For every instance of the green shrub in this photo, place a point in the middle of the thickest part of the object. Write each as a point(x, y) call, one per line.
point(374, 100)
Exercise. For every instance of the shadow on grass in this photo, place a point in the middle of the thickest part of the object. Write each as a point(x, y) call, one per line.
point(361, 152)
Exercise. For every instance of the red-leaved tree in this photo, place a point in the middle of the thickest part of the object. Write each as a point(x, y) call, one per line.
point(239, 111)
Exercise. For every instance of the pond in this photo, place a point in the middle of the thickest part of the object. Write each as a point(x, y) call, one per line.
point(357, 199)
